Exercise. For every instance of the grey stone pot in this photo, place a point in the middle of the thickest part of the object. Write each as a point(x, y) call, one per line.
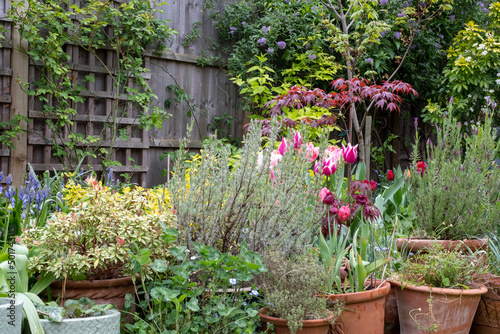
point(105, 324)
point(11, 316)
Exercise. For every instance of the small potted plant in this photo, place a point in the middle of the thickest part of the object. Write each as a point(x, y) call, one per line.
point(79, 316)
point(455, 191)
point(291, 295)
point(89, 248)
point(436, 292)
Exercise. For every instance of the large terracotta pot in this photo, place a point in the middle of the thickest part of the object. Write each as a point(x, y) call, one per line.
point(450, 310)
point(487, 319)
point(318, 326)
point(415, 245)
point(108, 291)
point(363, 311)
point(391, 318)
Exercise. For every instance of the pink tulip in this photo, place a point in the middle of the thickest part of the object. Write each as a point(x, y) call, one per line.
point(350, 153)
point(329, 167)
point(283, 146)
point(344, 213)
point(312, 152)
point(333, 152)
point(297, 140)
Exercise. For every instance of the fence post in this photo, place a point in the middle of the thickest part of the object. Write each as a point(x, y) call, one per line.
point(19, 105)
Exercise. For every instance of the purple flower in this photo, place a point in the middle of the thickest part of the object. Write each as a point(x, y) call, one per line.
point(401, 15)
point(232, 30)
point(452, 17)
point(422, 4)
point(397, 35)
point(281, 45)
point(312, 56)
point(243, 23)
point(383, 33)
point(441, 36)
point(415, 120)
point(270, 50)
point(262, 41)
point(451, 100)
point(265, 29)
point(384, 2)
point(369, 60)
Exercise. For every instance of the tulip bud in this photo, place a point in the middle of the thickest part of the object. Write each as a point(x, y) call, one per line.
point(390, 175)
point(297, 140)
point(350, 153)
point(283, 146)
point(344, 213)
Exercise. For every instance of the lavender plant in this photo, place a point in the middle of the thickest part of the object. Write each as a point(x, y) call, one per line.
point(266, 198)
point(455, 192)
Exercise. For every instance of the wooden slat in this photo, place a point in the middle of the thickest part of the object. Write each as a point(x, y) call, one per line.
point(5, 152)
point(6, 72)
point(5, 98)
point(83, 118)
point(43, 167)
point(131, 143)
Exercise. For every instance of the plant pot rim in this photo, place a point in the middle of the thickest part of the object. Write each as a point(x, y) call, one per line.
point(476, 289)
point(108, 314)
point(416, 244)
point(98, 283)
point(362, 296)
point(305, 323)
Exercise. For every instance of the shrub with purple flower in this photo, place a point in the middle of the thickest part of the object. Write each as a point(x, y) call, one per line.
point(282, 45)
point(262, 41)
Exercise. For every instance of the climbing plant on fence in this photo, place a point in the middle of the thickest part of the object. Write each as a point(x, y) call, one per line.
point(113, 38)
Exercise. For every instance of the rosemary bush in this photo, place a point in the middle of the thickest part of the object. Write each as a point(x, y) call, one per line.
point(264, 199)
point(456, 195)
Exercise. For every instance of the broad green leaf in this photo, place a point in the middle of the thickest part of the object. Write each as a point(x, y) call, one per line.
point(31, 314)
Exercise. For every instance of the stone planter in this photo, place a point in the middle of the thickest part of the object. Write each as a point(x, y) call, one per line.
point(11, 315)
point(108, 323)
point(449, 310)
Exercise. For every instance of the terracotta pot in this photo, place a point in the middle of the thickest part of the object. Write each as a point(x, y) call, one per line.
point(108, 291)
point(391, 318)
point(415, 245)
point(363, 311)
point(451, 310)
point(318, 326)
point(487, 319)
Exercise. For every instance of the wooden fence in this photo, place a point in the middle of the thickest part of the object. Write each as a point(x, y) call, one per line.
point(212, 93)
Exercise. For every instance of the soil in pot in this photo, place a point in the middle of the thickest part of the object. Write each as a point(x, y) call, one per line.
point(443, 310)
point(364, 312)
point(317, 326)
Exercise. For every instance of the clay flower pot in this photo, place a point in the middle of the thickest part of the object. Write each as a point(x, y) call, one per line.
point(415, 245)
point(487, 319)
point(317, 326)
point(363, 311)
point(107, 291)
point(450, 310)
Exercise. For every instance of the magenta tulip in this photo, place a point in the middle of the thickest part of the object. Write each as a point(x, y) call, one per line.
point(283, 146)
point(344, 213)
point(316, 169)
point(329, 167)
point(350, 153)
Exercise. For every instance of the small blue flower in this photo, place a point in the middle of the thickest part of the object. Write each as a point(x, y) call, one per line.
point(232, 281)
point(262, 41)
point(397, 35)
point(282, 45)
point(312, 56)
point(244, 304)
point(270, 50)
point(369, 60)
point(232, 30)
point(254, 293)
